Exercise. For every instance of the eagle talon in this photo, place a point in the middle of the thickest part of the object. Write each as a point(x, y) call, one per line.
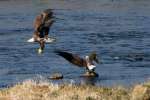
point(40, 51)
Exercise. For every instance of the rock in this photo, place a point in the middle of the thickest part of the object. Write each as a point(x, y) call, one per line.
point(56, 76)
point(90, 74)
point(140, 92)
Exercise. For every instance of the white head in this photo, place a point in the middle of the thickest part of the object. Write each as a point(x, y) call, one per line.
point(87, 57)
point(90, 64)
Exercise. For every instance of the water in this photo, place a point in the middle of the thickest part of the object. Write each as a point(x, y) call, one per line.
point(118, 30)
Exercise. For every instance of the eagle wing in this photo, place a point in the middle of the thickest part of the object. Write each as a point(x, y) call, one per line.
point(72, 58)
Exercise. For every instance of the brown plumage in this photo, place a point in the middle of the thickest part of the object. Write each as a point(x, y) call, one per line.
point(42, 24)
point(76, 60)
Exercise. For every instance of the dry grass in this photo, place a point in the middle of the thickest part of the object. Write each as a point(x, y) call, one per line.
point(31, 90)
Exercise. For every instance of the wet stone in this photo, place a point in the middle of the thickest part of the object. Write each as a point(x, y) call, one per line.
point(90, 74)
point(56, 76)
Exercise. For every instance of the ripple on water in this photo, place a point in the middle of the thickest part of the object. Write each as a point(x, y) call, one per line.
point(117, 30)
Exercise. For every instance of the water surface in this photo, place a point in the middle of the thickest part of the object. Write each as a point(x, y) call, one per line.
point(118, 30)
